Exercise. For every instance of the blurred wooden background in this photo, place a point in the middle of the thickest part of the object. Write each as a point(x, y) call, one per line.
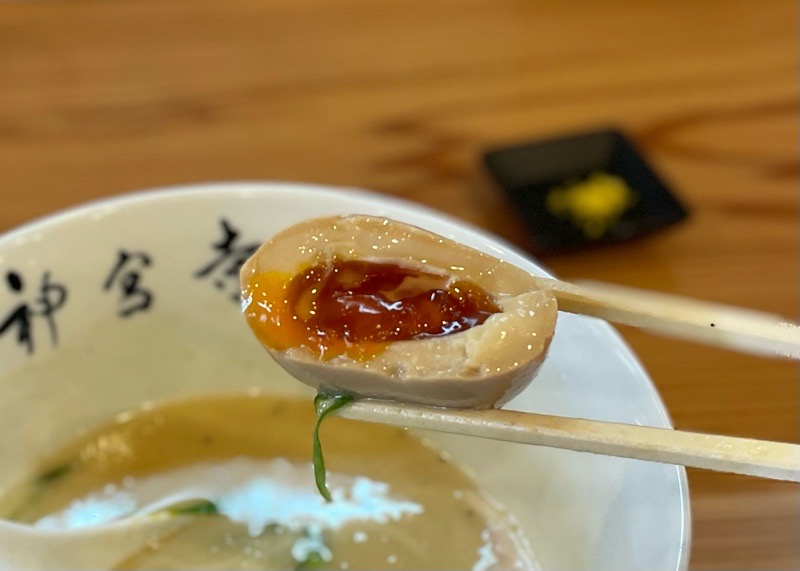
point(403, 97)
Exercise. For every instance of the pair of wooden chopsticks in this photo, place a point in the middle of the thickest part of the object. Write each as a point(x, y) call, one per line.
point(713, 324)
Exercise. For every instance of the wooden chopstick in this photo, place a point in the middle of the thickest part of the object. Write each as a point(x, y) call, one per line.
point(765, 459)
point(714, 324)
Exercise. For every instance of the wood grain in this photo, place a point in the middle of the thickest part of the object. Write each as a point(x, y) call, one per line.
point(99, 98)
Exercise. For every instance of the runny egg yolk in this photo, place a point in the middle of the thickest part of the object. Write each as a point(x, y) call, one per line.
point(356, 308)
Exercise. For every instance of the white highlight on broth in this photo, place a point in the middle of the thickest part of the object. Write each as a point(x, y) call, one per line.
point(255, 493)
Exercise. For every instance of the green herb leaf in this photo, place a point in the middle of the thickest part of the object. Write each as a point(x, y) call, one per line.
point(54, 473)
point(202, 507)
point(313, 560)
point(324, 405)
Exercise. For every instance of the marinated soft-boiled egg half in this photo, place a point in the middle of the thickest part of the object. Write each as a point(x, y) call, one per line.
point(378, 308)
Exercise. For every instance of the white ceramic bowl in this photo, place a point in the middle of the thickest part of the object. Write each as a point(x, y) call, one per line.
point(183, 335)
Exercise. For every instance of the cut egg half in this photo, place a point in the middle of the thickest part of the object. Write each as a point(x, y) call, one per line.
point(378, 308)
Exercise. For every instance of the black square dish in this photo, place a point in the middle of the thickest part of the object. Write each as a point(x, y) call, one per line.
point(583, 190)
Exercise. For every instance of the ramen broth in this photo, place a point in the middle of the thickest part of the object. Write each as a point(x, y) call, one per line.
point(235, 473)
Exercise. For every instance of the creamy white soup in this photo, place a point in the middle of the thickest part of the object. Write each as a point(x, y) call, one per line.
point(235, 472)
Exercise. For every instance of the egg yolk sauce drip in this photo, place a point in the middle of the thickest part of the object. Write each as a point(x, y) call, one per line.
point(357, 307)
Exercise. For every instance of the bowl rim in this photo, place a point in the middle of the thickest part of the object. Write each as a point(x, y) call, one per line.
point(242, 188)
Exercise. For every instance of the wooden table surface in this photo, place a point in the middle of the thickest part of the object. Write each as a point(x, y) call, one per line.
point(403, 97)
